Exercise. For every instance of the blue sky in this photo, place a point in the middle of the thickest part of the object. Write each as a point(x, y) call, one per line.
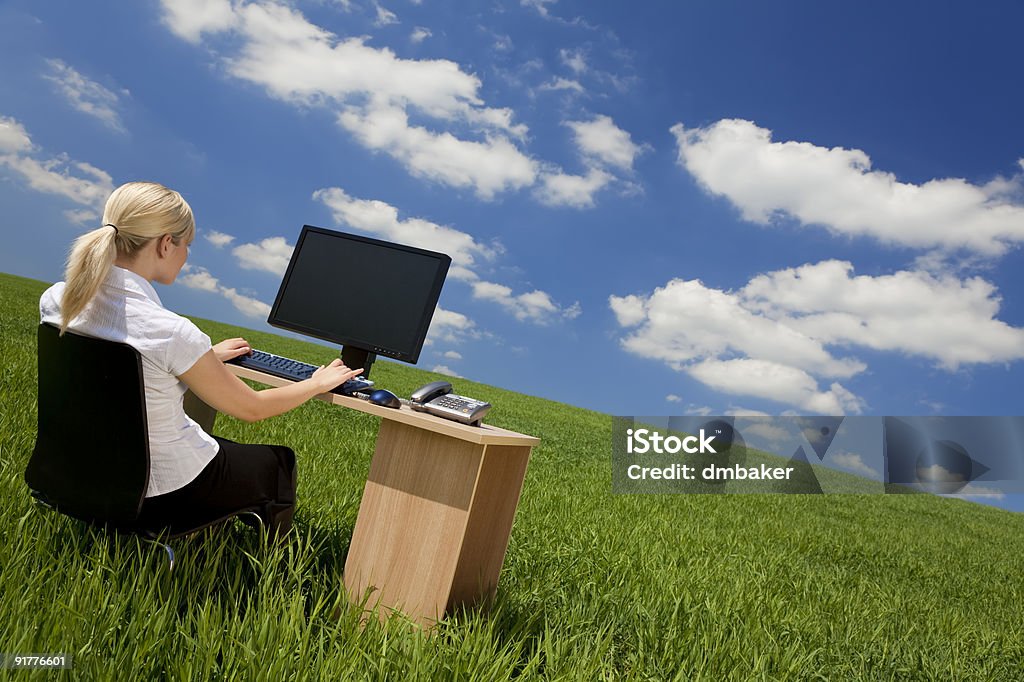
point(653, 208)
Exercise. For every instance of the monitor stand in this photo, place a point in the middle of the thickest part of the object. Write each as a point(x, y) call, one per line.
point(354, 358)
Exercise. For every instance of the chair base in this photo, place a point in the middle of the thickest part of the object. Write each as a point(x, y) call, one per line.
point(149, 535)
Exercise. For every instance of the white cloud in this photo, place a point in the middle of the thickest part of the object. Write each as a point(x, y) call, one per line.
point(772, 338)
point(837, 188)
point(603, 141)
point(453, 355)
point(574, 59)
point(451, 327)
point(488, 167)
point(744, 412)
point(385, 17)
point(13, 137)
point(195, 277)
point(950, 320)
point(575, 191)
point(419, 34)
point(535, 306)
point(685, 321)
point(540, 5)
point(984, 493)
point(673, 398)
point(853, 462)
point(85, 95)
point(218, 239)
point(77, 181)
point(372, 90)
point(629, 310)
point(559, 83)
point(200, 278)
point(271, 255)
point(189, 19)
point(444, 369)
point(772, 433)
point(381, 219)
point(774, 381)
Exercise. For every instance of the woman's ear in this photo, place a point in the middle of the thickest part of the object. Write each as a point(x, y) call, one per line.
point(163, 246)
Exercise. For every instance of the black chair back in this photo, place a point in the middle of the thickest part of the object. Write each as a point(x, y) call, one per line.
point(91, 458)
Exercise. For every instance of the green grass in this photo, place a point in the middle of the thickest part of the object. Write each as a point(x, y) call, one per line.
point(594, 586)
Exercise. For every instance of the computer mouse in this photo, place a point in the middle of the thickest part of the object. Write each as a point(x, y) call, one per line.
point(385, 398)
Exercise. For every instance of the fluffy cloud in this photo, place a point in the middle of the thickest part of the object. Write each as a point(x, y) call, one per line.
point(381, 219)
point(855, 463)
point(85, 95)
point(451, 327)
point(535, 306)
point(200, 278)
point(270, 255)
point(491, 166)
point(419, 34)
point(604, 142)
point(218, 239)
point(559, 83)
point(685, 321)
point(575, 191)
point(13, 137)
point(384, 17)
point(444, 369)
point(774, 381)
point(603, 147)
point(190, 19)
point(949, 320)
point(453, 355)
point(772, 338)
point(574, 59)
point(77, 181)
point(837, 188)
point(540, 5)
point(983, 493)
point(372, 89)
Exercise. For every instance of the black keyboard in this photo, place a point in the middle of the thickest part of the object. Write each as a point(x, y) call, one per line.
point(286, 368)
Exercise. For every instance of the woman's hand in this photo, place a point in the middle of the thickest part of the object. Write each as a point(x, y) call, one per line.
point(231, 348)
point(334, 374)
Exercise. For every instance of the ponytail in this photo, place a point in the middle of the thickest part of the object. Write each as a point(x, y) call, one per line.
point(88, 264)
point(135, 214)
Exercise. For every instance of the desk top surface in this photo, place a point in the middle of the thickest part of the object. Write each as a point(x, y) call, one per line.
point(483, 434)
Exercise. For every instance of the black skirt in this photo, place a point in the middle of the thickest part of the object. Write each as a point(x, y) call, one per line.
point(260, 478)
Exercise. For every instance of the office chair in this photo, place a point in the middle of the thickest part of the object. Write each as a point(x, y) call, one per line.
point(91, 458)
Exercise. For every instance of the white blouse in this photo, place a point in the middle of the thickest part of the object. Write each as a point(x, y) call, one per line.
point(127, 309)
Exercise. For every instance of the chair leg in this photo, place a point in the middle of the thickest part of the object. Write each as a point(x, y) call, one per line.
point(167, 548)
point(259, 519)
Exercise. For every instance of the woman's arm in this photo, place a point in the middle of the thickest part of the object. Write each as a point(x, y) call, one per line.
point(220, 389)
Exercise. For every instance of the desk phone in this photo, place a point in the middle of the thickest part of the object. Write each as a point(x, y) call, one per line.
point(437, 399)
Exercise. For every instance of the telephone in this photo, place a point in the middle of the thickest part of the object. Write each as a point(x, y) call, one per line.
point(437, 399)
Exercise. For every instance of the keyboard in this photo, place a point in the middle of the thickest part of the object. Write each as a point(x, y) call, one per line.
point(286, 368)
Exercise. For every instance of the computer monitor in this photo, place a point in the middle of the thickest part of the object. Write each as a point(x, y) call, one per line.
point(372, 297)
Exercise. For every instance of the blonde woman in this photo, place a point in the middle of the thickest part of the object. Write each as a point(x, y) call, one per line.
point(108, 293)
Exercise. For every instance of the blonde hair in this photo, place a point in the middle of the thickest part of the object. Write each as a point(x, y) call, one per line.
point(141, 212)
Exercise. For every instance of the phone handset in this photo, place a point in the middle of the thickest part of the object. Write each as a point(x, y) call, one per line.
point(437, 399)
point(425, 394)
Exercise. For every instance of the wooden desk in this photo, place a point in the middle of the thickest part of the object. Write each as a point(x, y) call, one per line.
point(437, 510)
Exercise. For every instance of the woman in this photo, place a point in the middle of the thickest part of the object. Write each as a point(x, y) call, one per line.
point(108, 293)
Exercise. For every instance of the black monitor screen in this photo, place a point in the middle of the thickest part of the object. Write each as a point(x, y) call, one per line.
point(361, 292)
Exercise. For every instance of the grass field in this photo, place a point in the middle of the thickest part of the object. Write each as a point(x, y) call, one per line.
point(594, 586)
